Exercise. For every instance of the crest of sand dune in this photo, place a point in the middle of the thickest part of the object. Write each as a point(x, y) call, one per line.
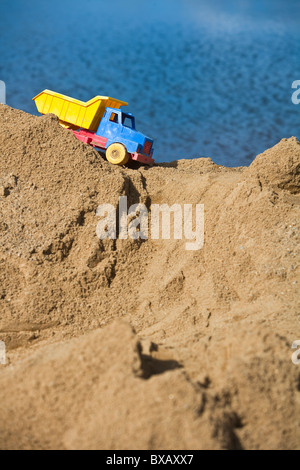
point(144, 345)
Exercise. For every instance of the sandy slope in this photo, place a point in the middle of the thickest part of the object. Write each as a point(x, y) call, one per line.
point(128, 344)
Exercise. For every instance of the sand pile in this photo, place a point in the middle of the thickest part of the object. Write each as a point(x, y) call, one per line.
point(129, 344)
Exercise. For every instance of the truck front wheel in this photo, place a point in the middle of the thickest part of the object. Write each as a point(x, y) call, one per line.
point(117, 154)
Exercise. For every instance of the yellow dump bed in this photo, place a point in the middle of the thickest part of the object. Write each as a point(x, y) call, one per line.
point(74, 113)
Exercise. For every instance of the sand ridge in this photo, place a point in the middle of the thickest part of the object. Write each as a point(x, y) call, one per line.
point(123, 344)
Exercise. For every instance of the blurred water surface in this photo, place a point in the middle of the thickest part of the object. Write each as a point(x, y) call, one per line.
point(203, 78)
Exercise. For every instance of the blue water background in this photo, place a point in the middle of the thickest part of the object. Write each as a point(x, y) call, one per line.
point(203, 78)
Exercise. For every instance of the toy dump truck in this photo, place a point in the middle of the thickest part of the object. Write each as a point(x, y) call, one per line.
point(101, 124)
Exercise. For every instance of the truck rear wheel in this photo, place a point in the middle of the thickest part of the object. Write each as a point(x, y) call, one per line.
point(117, 154)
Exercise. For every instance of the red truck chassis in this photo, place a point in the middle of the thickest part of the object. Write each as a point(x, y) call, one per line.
point(91, 138)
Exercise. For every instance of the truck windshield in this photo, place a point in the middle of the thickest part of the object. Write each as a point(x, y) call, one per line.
point(128, 121)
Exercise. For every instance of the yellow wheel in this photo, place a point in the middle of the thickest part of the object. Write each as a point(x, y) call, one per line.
point(117, 154)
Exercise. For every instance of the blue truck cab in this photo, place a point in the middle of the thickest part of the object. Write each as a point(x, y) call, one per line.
point(119, 127)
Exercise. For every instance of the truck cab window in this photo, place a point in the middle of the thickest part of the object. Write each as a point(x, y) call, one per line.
point(114, 118)
point(128, 121)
